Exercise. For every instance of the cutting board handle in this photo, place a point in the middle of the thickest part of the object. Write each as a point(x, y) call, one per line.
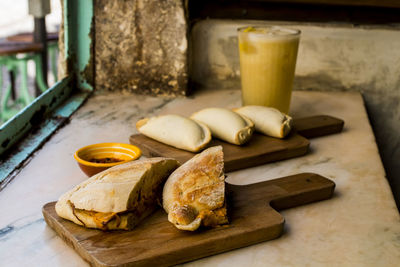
point(316, 126)
point(285, 192)
point(302, 189)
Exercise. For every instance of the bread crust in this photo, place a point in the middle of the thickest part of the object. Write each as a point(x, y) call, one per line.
point(119, 197)
point(194, 194)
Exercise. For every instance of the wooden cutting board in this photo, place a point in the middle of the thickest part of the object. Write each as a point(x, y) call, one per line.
point(259, 150)
point(156, 242)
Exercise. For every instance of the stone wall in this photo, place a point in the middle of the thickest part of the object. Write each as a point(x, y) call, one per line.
point(141, 46)
point(331, 57)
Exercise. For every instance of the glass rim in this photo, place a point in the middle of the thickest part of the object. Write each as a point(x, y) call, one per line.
point(290, 31)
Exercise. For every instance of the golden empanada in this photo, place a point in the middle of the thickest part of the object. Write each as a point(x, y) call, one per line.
point(226, 124)
point(267, 120)
point(176, 131)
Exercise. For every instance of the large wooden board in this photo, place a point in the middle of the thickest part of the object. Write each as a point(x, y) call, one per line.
point(156, 242)
point(259, 150)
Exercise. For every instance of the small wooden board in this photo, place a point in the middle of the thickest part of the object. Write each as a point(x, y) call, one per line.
point(259, 150)
point(156, 242)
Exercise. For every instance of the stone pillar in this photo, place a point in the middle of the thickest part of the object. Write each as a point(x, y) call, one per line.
point(141, 46)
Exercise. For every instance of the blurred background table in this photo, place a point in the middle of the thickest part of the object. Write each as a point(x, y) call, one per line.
point(52, 47)
point(14, 56)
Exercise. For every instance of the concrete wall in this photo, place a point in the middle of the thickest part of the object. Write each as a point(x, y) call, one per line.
point(331, 57)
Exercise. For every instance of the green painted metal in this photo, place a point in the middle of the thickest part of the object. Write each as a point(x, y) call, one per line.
point(50, 110)
point(15, 128)
point(29, 145)
point(78, 16)
point(52, 48)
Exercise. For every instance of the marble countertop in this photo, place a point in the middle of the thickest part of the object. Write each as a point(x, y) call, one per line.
point(359, 226)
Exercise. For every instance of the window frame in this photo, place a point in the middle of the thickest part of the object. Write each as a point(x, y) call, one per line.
point(28, 130)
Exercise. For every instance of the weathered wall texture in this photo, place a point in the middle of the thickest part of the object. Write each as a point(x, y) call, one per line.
point(141, 46)
point(62, 63)
point(331, 57)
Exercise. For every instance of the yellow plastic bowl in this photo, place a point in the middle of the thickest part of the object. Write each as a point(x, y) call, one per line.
point(95, 158)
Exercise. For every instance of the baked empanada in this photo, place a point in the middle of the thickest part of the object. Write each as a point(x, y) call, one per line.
point(194, 194)
point(226, 124)
point(176, 131)
point(267, 120)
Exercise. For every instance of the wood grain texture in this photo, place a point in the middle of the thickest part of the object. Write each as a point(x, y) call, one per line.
point(156, 242)
point(259, 150)
point(315, 126)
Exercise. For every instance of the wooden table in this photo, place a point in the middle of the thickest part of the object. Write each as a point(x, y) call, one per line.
point(12, 48)
point(27, 37)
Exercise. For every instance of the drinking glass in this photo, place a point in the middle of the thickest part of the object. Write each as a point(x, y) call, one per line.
point(267, 63)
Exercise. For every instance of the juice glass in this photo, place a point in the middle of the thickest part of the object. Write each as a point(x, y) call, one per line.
point(267, 63)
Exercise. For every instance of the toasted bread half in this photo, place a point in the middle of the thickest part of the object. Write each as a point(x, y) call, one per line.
point(119, 197)
point(194, 194)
